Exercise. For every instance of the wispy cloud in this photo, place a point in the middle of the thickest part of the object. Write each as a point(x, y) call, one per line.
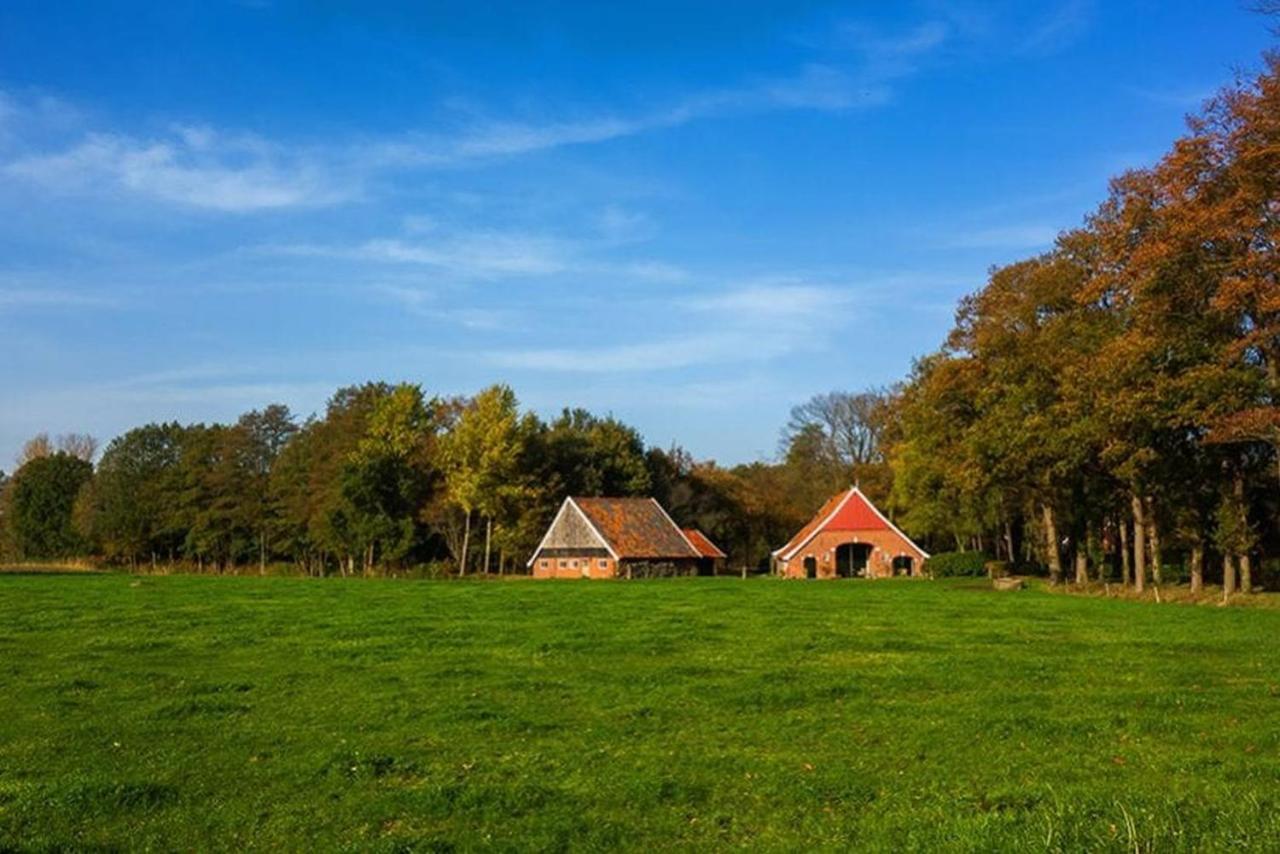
point(203, 168)
point(871, 64)
point(191, 167)
point(772, 303)
point(15, 298)
point(427, 302)
point(488, 254)
point(754, 323)
point(1060, 28)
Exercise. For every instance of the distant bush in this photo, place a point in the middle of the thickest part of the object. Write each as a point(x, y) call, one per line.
point(956, 563)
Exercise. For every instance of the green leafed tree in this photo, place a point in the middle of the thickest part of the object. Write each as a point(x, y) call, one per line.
point(39, 507)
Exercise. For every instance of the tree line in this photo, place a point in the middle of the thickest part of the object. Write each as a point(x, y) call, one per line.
point(1113, 405)
point(390, 480)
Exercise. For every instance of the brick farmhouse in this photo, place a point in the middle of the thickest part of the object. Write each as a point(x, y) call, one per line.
point(849, 538)
point(620, 537)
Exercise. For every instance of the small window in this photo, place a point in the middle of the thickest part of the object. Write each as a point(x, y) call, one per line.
point(544, 563)
point(573, 564)
point(604, 564)
point(563, 563)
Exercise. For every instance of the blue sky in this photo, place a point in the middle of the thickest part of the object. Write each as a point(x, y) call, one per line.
point(691, 215)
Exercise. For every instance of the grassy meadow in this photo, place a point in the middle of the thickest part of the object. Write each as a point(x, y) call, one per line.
point(200, 712)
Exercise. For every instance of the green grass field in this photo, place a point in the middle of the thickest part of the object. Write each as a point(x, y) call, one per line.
point(195, 712)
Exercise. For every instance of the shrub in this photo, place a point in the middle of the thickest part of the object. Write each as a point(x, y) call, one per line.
point(956, 563)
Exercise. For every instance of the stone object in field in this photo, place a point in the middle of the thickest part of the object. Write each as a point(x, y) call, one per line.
point(1009, 582)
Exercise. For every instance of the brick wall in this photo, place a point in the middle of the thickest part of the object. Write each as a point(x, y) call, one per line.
point(571, 566)
point(885, 546)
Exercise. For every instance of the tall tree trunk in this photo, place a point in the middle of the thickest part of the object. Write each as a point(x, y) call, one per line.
point(488, 539)
point(1228, 576)
point(1139, 546)
point(262, 553)
point(1197, 568)
point(1246, 564)
point(1052, 554)
point(466, 545)
point(1153, 533)
point(1082, 558)
point(1126, 573)
point(1008, 542)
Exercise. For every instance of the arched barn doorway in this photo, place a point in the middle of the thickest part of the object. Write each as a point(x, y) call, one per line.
point(851, 559)
point(902, 565)
point(811, 567)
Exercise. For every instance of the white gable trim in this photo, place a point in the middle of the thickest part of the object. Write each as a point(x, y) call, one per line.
point(592, 525)
point(569, 502)
point(924, 555)
point(550, 528)
point(679, 530)
point(798, 546)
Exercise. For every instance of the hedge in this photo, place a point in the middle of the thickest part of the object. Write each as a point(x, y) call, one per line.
point(956, 563)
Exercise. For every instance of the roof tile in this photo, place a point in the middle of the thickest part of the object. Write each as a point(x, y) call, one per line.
point(636, 528)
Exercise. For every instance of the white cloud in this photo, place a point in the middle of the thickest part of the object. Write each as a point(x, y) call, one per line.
point(773, 303)
point(753, 323)
point(489, 255)
point(193, 167)
point(1060, 28)
point(864, 81)
point(11, 298)
point(665, 354)
point(200, 167)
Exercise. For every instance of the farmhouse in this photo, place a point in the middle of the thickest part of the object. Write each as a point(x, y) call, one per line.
point(619, 537)
point(849, 538)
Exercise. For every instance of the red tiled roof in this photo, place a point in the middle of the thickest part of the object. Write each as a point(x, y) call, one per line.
point(703, 544)
point(847, 511)
point(636, 528)
point(857, 514)
point(813, 524)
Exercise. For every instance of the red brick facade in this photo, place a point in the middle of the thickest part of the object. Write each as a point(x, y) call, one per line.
point(575, 567)
point(849, 537)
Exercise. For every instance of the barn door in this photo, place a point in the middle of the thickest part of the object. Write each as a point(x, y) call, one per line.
point(810, 567)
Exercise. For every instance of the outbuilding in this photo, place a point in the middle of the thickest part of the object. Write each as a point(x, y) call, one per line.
point(617, 537)
point(849, 538)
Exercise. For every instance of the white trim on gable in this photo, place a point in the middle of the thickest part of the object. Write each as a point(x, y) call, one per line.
point(592, 525)
point(924, 555)
point(569, 502)
point(852, 491)
point(798, 546)
point(555, 521)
